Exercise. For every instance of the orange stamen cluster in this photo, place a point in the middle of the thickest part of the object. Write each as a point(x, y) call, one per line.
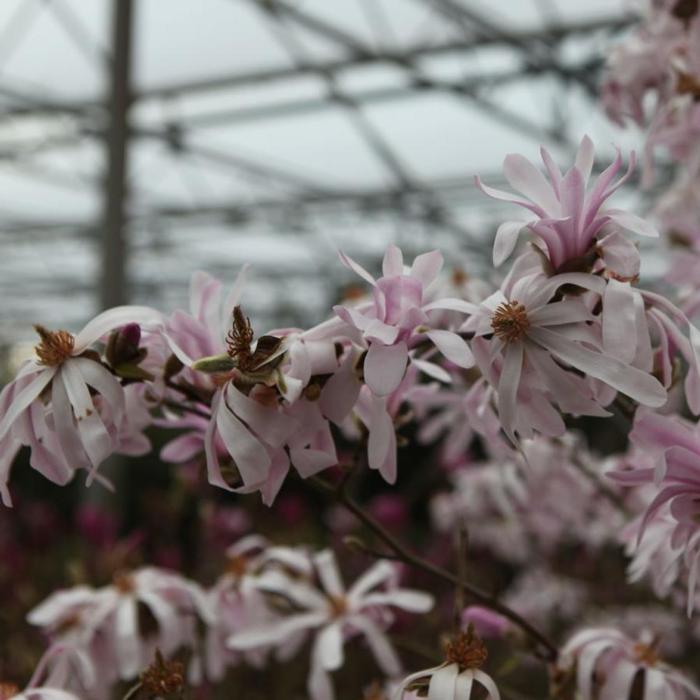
point(338, 606)
point(688, 85)
point(646, 654)
point(510, 321)
point(123, 582)
point(8, 690)
point(466, 650)
point(237, 566)
point(55, 346)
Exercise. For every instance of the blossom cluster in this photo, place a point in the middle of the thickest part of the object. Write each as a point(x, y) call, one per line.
point(498, 373)
point(269, 602)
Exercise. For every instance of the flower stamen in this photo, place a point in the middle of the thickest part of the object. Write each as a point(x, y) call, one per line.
point(466, 650)
point(646, 654)
point(510, 321)
point(55, 346)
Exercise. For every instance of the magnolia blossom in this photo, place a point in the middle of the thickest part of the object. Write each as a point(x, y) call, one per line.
point(237, 602)
point(65, 404)
point(522, 501)
point(63, 673)
point(568, 218)
point(534, 339)
point(259, 416)
point(398, 319)
point(457, 413)
point(457, 677)
point(607, 662)
point(675, 444)
point(335, 615)
point(104, 622)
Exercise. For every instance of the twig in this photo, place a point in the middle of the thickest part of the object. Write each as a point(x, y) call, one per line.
point(550, 650)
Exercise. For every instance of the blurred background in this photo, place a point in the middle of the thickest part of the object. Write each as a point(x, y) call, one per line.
point(141, 140)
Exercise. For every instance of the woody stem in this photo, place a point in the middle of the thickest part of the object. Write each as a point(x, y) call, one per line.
point(549, 650)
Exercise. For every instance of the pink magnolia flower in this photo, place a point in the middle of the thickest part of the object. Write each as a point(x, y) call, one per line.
point(63, 673)
point(607, 663)
point(457, 414)
point(533, 337)
point(65, 404)
point(259, 416)
point(335, 614)
point(676, 447)
point(237, 603)
point(568, 219)
point(398, 319)
point(105, 622)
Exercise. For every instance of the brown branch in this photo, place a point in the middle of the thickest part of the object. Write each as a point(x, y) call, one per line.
point(549, 650)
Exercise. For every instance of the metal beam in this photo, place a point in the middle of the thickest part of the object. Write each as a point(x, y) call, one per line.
point(113, 272)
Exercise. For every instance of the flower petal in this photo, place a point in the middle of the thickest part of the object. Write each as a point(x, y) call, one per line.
point(638, 385)
point(453, 347)
point(114, 318)
point(385, 366)
point(392, 265)
point(506, 240)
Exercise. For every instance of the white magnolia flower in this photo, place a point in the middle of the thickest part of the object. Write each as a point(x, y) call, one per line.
point(335, 614)
point(457, 676)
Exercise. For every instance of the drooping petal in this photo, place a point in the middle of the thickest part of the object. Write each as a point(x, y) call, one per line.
point(127, 638)
point(632, 222)
point(380, 645)
point(385, 366)
point(25, 397)
point(638, 385)
point(96, 376)
point(508, 384)
point(432, 370)
point(114, 318)
point(443, 682)
point(250, 456)
point(329, 644)
point(453, 347)
point(276, 632)
point(381, 430)
point(340, 392)
point(488, 683)
point(619, 321)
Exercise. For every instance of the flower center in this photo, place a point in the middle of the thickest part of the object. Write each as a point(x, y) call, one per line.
point(510, 321)
point(237, 566)
point(466, 650)
point(646, 654)
point(238, 346)
point(688, 85)
point(338, 606)
point(8, 690)
point(124, 582)
point(55, 346)
point(163, 678)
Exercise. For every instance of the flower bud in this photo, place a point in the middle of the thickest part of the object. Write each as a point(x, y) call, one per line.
point(487, 623)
